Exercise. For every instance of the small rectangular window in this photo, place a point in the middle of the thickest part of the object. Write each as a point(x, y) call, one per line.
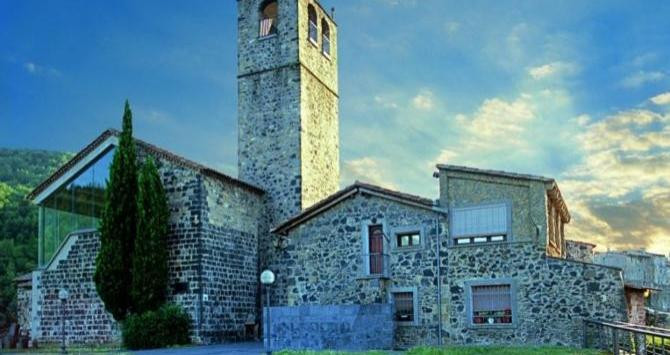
point(403, 306)
point(406, 240)
point(492, 304)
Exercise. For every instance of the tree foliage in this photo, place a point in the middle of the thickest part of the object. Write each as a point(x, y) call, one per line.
point(20, 171)
point(113, 273)
point(150, 273)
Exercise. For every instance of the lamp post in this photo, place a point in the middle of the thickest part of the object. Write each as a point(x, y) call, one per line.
point(62, 296)
point(267, 279)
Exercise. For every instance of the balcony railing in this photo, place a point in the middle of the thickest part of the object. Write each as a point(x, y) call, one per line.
point(377, 264)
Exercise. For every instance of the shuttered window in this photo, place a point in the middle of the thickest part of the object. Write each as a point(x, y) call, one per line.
point(492, 304)
point(478, 224)
point(376, 248)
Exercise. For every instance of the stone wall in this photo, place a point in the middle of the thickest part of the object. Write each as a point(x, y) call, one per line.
point(24, 301)
point(528, 199)
point(212, 263)
point(579, 251)
point(288, 142)
point(636, 312)
point(553, 295)
point(341, 327)
point(323, 263)
point(86, 318)
point(230, 260)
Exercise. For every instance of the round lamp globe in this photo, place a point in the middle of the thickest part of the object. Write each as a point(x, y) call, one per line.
point(267, 277)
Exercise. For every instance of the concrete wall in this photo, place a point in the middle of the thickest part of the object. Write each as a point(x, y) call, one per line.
point(341, 327)
point(642, 269)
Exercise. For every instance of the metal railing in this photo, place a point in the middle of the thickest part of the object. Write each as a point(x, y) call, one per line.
point(377, 264)
point(626, 338)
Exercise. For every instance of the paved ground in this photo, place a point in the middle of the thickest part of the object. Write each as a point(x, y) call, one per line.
point(223, 349)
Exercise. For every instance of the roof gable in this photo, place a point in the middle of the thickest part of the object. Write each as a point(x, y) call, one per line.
point(349, 191)
point(102, 144)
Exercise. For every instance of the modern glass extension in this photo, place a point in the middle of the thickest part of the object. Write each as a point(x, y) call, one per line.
point(75, 205)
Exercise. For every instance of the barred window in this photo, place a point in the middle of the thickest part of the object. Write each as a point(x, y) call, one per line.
point(492, 304)
point(403, 306)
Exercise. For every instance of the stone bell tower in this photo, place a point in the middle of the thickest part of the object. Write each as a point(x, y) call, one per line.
point(288, 141)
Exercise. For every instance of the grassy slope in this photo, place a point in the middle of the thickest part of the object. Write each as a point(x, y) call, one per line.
point(466, 350)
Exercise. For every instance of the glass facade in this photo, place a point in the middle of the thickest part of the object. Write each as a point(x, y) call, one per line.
point(74, 206)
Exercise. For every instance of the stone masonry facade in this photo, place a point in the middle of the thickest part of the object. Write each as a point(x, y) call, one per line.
point(213, 261)
point(323, 261)
point(332, 250)
point(288, 137)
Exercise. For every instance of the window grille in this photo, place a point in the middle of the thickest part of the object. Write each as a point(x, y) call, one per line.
point(492, 304)
point(404, 306)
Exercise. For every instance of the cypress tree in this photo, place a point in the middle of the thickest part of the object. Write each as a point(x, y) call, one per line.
point(150, 271)
point(113, 274)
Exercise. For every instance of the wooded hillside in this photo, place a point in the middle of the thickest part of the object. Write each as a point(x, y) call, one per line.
point(20, 171)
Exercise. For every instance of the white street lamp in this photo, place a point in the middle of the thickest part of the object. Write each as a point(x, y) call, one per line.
point(267, 279)
point(62, 296)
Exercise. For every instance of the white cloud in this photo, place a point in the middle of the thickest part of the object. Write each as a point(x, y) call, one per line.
point(423, 100)
point(641, 77)
point(451, 27)
point(552, 69)
point(619, 194)
point(385, 102)
point(661, 99)
point(35, 69)
point(367, 169)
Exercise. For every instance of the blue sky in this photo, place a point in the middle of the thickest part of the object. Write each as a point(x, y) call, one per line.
point(575, 90)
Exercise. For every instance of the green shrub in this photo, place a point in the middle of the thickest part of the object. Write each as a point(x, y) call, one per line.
point(168, 325)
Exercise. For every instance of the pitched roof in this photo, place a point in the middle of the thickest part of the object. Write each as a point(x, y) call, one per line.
point(467, 169)
point(154, 150)
point(346, 192)
point(553, 192)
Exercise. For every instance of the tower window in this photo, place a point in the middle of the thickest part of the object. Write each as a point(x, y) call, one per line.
point(325, 36)
point(313, 30)
point(268, 23)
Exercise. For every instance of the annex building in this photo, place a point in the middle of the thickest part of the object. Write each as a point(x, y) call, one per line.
point(486, 261)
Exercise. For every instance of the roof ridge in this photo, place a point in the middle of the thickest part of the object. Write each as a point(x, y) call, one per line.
point(109, 132)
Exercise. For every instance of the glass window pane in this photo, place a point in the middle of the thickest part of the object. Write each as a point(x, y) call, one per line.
point(74, 206)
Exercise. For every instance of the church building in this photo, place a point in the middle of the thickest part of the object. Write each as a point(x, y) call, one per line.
point(484, 262)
